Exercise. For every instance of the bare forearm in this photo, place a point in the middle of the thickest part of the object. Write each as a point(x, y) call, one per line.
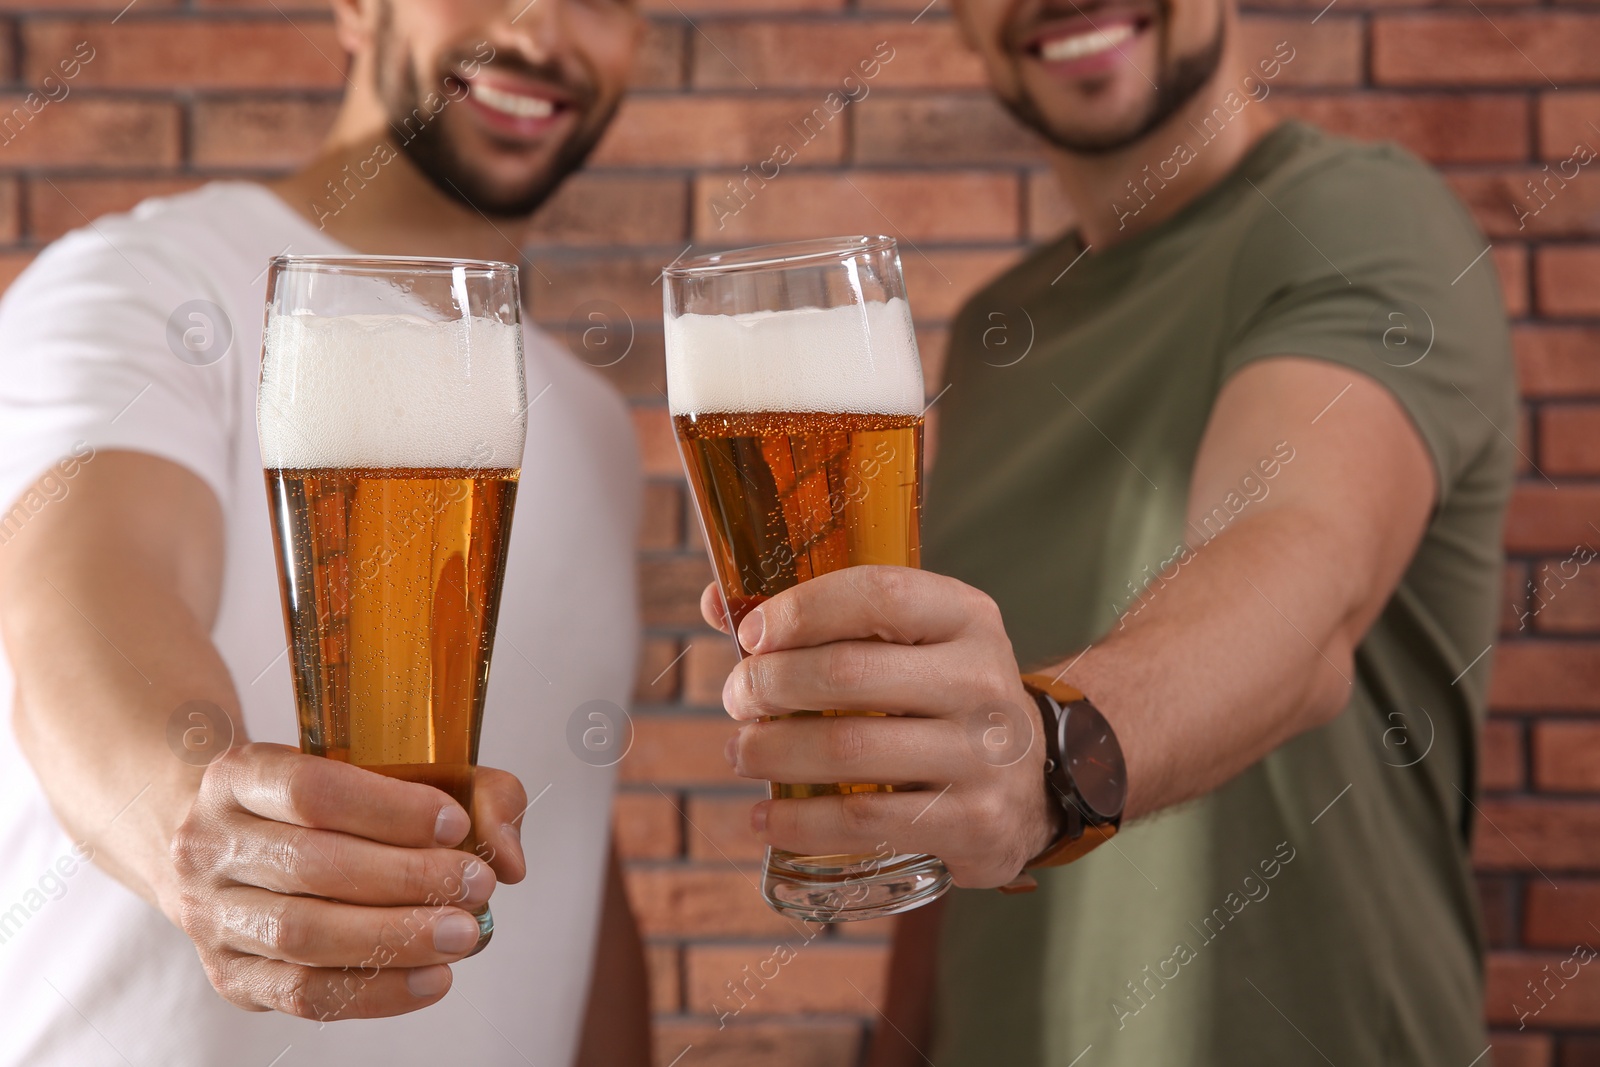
point(103, 663)
point(1249, 645)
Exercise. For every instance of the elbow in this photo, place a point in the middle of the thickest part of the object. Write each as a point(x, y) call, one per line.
point(1331, 685)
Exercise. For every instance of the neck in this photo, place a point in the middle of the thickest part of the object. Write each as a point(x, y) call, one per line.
point(364, 192)
point(1120, 194)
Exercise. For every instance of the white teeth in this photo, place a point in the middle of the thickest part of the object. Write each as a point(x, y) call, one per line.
point(1084, 44)
point(522, 107)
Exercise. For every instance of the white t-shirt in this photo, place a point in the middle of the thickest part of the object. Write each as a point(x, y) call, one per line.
point(89, 973)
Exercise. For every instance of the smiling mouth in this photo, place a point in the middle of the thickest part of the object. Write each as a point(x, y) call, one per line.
point(1082, 45)
point(513, 105)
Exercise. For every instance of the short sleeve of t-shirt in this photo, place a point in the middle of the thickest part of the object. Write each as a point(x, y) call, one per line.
point(86, 362)
point(1365, 258)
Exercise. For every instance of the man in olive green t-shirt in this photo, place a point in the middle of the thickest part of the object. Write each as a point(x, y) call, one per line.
point(1230, 458)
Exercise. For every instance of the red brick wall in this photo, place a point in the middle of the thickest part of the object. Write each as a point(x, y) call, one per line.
point(179, 92)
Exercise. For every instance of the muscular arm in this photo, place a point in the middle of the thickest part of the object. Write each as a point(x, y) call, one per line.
point(106, 602)
point(286, 870)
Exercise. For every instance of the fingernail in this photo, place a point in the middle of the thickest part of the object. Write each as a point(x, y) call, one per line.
point(730, 751)
point(456, 931)
point(478, 880)
point(758, 818)
point(750, 630)
point(728, 688)
point(428, 982)
point(451, 825)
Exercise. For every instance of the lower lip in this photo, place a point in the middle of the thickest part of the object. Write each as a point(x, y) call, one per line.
point(512, 125)
point(1096, 63)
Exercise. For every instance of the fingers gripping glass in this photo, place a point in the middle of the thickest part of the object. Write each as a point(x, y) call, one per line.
point(392, 418)
point(796, 398)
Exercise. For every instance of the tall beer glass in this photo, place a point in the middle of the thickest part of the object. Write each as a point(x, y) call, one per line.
point(392, 418)
point(796, 397)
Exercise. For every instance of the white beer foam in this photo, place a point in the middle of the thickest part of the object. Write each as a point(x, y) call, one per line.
point(858, 358)
point(390, 391)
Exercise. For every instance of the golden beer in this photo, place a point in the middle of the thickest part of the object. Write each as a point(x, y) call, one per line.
point(787, 496)
point(391, 585)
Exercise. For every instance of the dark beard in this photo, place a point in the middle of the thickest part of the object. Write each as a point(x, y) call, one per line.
point(1177, 83)
point(430, 151)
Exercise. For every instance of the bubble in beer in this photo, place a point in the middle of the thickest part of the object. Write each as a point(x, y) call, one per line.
point(391, 391)
point(859, 358)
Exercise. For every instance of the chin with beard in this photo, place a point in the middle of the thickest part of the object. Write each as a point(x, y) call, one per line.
point(1177, 83)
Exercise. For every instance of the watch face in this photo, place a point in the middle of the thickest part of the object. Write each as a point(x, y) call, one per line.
point(1093, 758)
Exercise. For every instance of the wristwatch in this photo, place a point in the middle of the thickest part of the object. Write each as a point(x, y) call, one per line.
point(1084, 772)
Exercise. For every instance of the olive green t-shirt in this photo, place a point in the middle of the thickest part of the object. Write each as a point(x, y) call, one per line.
point(1320, 906)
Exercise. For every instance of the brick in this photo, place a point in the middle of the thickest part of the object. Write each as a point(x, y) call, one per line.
point(1327, 54)
point(679, 748)
point(1543, 519)
point(1569, 439)
point(711, 900)
point(662, 526)
point(1561, 916)
point(1569, 280)
point(1514, 598)
point(657, 446)
point(1570, 1003)
point(1537, 835)
point(1564, 594)
point(1579, 1052)
point(659, 63)
point(61, 204)
point(33, 7)
point(97, 134)
point(1546, 676)
point(1520, 1050)
point(1470, 49)
point(1511, 265)
point(965, 206)
point(738, 1043)
point(947, 128)
point(813, 980)
point(666, 978)
point(1501, 766)
point(1566, 757)
point(719, 827)
point(642, 373)
point(1497, 900)
point(1503, 205)
point(561, 281)
point(646, 825)
point(10, 211)
point(259, 133)
point(660, 668)
point(787, 54)
point(1557, 360)
point(1565, 121)
point(610, 209)
point(938, 283)
point(712, 130)
point(1441, 128)
point(706, 667)
point(11, 265)
point(246, 53)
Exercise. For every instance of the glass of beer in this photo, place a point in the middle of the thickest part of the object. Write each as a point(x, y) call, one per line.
point(392, 418)
point(796, 397)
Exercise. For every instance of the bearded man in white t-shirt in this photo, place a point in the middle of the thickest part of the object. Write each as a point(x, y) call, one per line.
point(139, 602)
